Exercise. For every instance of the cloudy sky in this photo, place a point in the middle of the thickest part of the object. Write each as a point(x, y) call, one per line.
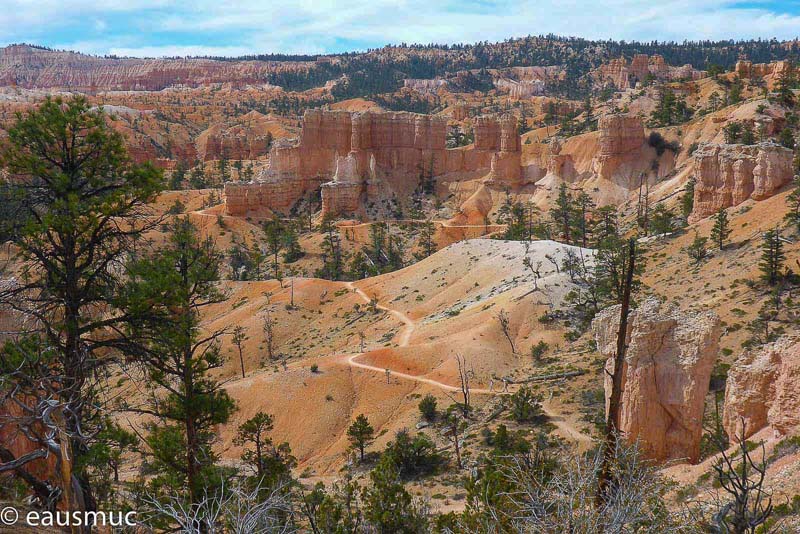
point(227, 27)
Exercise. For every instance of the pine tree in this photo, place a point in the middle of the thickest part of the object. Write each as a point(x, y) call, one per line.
point(661, 221)
point(73, 209)
point(562, 214)
point(584, 208)
point(388, 506)
point(697, 249)
point(721, 229)
point(271, 464)
point(427, 245)
point(361, 434)
point(274, 234)
point(687, 200)
point(292, 251)
point(164, 297)
point(772, 256)
point(793, 216)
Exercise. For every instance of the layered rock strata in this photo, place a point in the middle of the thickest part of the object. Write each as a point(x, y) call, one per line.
point(383, 152)
point(727, 175)
point(762, 391)
point(666, 377)
point(625, 75)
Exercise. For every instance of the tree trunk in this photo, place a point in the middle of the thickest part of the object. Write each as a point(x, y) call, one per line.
point(615, 401)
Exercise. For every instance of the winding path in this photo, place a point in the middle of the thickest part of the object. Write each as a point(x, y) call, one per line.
point(567, 428)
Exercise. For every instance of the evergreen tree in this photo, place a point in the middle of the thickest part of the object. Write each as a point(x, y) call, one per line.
point(784, 86)
point(292, 251)
point(427, 245)
point(697, 249)
point(748, 136)
point(177, 177)
point(661, 221)
point(733, 132)
point(332, 255)
point(563, 215)
point(271, 465)
point(274, 235)
point(165, 294)
point(584, 208)
point(388, 506)
point(361, 434)
point(793, 200)
point(786, 138)
point(687, 200)
point(721, 229)
point(772, 256)
point(76, 206)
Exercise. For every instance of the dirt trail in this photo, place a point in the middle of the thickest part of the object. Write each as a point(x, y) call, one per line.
point(567, 428)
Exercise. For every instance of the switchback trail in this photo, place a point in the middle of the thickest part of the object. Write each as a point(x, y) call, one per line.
point(567, 428)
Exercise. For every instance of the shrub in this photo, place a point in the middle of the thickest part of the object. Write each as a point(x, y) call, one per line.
point(525, 406)
point(413, 457)
point(427, 407)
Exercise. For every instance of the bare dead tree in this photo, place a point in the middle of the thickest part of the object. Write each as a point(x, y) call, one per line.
point(464, 376)
point(504, 321)
point(565, 501)
point(453, 427)
point(238, 339)
point(604, 480)
point(234, 510)
point(269, 333)
point(742, 478)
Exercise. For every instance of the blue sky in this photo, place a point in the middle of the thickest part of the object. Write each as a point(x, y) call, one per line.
point(227, 27)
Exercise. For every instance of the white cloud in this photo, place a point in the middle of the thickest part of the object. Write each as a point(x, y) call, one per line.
point(227, 27)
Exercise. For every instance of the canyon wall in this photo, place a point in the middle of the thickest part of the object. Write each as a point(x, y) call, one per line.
point(727, 175)
point(352, 155)
point(668, 366)
point(625, 75)
point(762, 391)
point(748, 69)
point(31, 67)
point(623, 153)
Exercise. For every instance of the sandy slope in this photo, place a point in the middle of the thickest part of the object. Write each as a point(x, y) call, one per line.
point(413, 332)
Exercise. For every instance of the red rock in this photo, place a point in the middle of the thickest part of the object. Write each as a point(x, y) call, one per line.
point(668, 366)
point(762, 390)
point(727, 175)
point(388, 151)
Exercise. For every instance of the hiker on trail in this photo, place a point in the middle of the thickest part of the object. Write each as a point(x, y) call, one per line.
point(505, 385)
point(388, 374)
point(491, 385)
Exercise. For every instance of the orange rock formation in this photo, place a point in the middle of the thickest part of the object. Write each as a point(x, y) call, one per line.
point(353, 156)
point(667, 371)
point(727, 175)
point(762, 391)
point(624, 75)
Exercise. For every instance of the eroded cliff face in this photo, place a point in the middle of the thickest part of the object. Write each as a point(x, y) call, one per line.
point(748, 69)
point(30, 67)
point(668, 366)
point(727, 175)
point(763, 390)
point(624, 155)
point(385, 153)
point(625, 75)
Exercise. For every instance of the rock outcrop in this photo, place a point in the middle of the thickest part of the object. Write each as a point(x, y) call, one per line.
point(426, 86)
point(748, 69)
point(32, 67)
point(762, 390)
point(560, 165)
point(668, 366)
point(727, 175)
point(383, 153)
point(625, 75)
point(236, 143)
point(620, 157)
